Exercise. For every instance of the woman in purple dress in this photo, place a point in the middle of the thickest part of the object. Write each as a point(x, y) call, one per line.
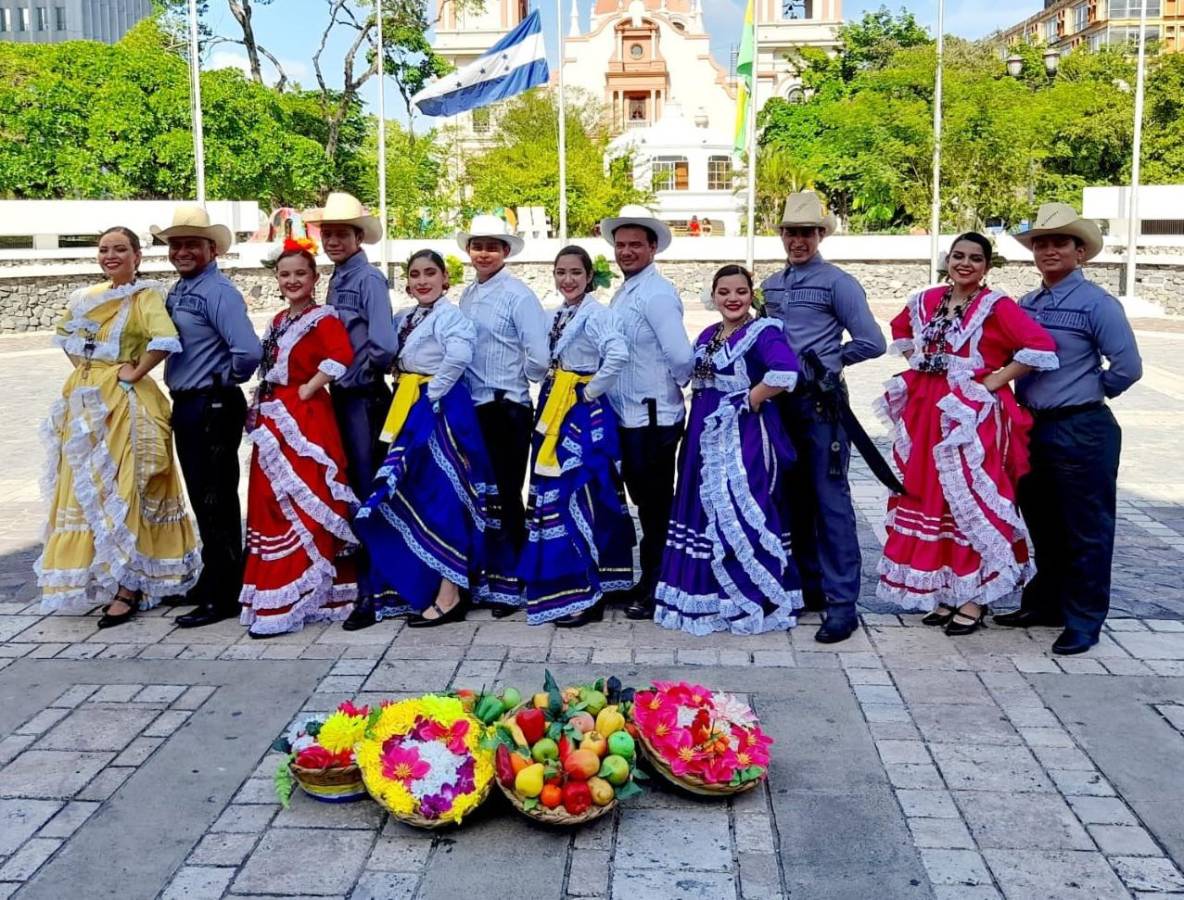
point(727, 564)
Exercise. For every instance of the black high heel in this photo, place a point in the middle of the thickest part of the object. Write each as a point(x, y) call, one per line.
point(937, 617)
point(972, 624)
point(110, 620)
point(456, 614)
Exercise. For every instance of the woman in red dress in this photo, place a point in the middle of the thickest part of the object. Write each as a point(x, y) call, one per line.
point(956, 540)
point(299, 502)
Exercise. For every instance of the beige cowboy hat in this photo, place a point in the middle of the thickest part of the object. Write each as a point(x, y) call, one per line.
point(490, 226)
point(632, 214)
point(346, 209)
point(1061, 218)
point(804, 210)
point(192, 220)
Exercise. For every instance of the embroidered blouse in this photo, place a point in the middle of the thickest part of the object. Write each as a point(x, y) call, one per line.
point(441, 346)
point(591, 343)
point(116, 324)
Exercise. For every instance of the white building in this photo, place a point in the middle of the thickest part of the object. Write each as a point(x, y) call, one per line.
point(1161, 212)
point(784, 26)
point(639, 55)
point(54, 21)
point(688, 165)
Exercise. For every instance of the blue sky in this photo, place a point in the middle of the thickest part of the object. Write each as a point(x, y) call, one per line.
point(293, 37)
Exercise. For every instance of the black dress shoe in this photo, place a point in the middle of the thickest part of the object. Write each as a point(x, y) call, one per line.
point(503, 612)
point(594, 613)
point(963, 623)
point(206, 615)
point(941, 615)
point(1071, 642)
point(836, 629)
point(640, 608)
point(110, 620)
point(361, 616)
point(456, 614)
point(1027, 618)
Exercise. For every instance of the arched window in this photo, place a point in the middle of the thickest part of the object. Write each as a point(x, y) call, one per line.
point(794, 94)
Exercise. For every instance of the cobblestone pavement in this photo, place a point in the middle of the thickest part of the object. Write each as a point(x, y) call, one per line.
point(134, 763)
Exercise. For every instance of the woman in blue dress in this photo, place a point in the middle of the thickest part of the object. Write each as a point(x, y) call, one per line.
point(727, 565)
point(580, 535)
point(426, 525)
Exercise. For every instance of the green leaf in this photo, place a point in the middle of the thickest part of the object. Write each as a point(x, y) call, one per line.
point(554, 695)
point(282, 744)
point(530, 803)
point(627, 790)
point(639, 773)
point(284, 782)
point(312, 727)
point(749, 773)
point(555, 731)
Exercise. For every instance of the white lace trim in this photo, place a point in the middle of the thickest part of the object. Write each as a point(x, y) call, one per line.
point(1042, 360)
point(81, 302)
point(302, 446)
point(287, 487)
point(332, 368)
point(913, 590)
point(278, 373)
point(726, 355)
point(307, 596)
point(165, 344)
point(900, 346)
point(427, 557)
point(575, 326)
point(117, 562)
point(780, 379)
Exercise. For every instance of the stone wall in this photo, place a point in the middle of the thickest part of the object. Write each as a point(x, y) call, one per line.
point(35, 302)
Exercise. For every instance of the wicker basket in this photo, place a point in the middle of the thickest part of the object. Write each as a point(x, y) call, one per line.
point(690, 783)
point(415, 820)
point(557, 817)
point(336, 784)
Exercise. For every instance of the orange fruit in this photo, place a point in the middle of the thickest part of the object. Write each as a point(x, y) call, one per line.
point(518, 762)
point(551, 796)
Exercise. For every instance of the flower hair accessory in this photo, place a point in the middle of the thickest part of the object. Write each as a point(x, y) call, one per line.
point(291, 245)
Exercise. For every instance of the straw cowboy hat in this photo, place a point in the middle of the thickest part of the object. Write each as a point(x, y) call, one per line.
point(346, 209)
point(1061, 218)
point(490, 226)
point(191, 220)
point(804, 210)
point(632, 214)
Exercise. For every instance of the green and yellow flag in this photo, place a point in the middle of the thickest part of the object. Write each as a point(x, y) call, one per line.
point(744, 68)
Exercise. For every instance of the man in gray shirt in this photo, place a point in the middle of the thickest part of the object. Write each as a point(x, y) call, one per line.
point(219, 352)
point(1068, 498)
point(818, 302)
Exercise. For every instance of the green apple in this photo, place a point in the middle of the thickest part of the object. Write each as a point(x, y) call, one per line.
point(614, 769)
point(543, 750)
point(621, 743)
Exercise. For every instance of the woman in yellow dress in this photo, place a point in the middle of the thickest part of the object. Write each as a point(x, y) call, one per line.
point(118, 528)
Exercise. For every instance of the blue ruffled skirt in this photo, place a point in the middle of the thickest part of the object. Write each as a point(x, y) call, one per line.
point(727, 564)
point(580, 535)
point(428, 516)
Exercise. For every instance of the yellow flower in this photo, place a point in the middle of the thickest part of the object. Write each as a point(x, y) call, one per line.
point(341, 732)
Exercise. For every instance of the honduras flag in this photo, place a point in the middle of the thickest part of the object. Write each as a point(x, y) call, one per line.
point(514, 64)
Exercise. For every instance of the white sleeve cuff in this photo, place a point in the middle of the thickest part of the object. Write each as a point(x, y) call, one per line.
point(901, 346)
point(785, 380)
point(165, 344)
point(1044, 360)
point(332, 368)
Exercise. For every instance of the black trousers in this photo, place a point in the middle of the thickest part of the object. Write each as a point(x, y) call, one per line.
point(360, 413)
point(1068, 500)
point(208, 426)
point(648, 463)
point(506, 428)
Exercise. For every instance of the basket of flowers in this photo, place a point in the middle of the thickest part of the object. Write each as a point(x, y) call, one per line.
point(710, 744)
point(320, 757)
point(424, 760)
point(566, 756)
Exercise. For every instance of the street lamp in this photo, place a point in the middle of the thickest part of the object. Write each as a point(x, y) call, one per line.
point(1015, 65)
point(1052, 61)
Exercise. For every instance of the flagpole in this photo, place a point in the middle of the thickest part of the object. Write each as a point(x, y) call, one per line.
point(1132, 219)
point(935, 213)
point(199, 149)
point(750, 255)
point(381, 143)
point(562, 127)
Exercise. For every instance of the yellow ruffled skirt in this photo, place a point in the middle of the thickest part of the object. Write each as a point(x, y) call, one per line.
point(117, 513)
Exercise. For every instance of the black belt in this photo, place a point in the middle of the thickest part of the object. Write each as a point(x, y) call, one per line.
point(212, 391)
point(1064, 412)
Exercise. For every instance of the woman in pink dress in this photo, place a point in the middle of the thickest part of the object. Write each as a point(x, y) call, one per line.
point(956, 540)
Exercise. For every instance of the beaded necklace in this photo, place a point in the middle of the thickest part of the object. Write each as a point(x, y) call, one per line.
point(704, 370)
point(271, 347)
point(935, 334)
point(562, 319)
point(414, 319)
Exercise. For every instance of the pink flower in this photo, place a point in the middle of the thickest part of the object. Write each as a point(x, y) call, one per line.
point(349, 709)
point(658, 726)
point(680, 751)
point(403, 764)
point(428, 730)
point(456, 738)
point(734, 710)
point(719, 768)
point(650, 707)
point(684, 694)
point(752, 746)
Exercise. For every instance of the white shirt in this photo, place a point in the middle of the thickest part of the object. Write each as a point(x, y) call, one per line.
point(441, 346)
point(592, 344)
point(511, 346)
point(660, 356)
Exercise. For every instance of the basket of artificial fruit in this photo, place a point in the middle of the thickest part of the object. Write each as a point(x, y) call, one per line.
point(425, 761)
point(707, 743)
point(320, 757)
point(567, 756)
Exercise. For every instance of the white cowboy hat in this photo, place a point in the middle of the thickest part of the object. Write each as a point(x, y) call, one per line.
point(804, 210)
point(1061, 218)
point(632, 214)
point(346, 209)
point(192, 220)
point(490, 226)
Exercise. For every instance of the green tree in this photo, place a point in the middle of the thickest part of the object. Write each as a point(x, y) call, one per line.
point(419, 200)
point(522, 166)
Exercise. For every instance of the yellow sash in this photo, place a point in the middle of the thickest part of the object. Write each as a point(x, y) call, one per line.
point(407, 392)
point(559, 402)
